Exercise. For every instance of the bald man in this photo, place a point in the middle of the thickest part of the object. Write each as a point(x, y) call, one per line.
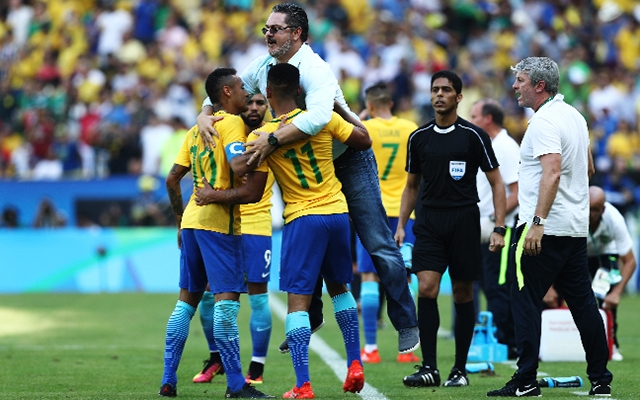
point(611, 259)
point(610, 252)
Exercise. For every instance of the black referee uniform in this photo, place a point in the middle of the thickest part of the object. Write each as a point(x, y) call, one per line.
point(447, 228)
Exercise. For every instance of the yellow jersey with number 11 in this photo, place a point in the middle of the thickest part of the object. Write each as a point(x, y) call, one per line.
point(304, 170)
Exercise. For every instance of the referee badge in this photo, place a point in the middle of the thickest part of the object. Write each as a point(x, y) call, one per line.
point(456, 169)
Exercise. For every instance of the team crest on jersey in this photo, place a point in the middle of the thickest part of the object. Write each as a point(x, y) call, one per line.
point(456, 169)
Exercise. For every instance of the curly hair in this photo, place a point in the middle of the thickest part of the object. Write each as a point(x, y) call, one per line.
point(540, 69)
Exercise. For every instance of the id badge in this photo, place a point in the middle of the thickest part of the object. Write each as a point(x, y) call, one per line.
point(601, 283)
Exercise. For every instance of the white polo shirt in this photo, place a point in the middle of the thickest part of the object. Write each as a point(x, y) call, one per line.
point(557, 128)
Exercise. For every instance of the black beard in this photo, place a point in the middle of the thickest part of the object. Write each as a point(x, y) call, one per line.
point(253, 124)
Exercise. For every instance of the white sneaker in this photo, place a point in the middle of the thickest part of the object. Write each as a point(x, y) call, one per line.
point(615, 354)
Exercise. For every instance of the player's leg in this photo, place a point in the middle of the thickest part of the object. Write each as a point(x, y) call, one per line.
point(316, 319)
point(369, 305)
point(257, 251)
point(224, 262)
point(359, 177)
point(337, 272)
point(299, 271)
point(192, 284)
point(213, 365)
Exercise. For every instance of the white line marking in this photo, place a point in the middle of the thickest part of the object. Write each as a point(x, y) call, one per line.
point(326, 353)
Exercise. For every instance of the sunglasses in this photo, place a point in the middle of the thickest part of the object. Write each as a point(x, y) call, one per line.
point(275, 29)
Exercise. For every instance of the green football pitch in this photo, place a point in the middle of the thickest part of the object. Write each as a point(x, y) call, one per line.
point(110, 346)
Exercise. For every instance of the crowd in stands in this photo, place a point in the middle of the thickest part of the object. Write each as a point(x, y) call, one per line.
point(93, 88)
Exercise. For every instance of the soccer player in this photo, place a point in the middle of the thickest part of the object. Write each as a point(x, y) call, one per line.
point(315, 236)
point(209, 236)
point(389, 136)
point(256, 239)
point(444, 156)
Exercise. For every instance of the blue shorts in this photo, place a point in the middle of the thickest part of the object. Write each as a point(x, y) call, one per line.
point(257, 257)
point(365, 264)
point(315, 245)
point(207, 256)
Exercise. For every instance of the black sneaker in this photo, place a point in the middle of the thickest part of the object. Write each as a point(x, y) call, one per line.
point(247, 392)
point(284, 346)
point(517, 388)
point(600, 389)
point(168, 390)
point(426, 376)
point(456, 378)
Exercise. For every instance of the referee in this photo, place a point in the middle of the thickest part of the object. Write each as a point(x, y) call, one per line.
point(444, 156)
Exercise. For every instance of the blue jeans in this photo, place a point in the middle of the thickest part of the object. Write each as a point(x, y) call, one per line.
point(360, 185)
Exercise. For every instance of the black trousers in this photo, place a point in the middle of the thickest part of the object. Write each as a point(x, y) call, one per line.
point(497, 293)
point(562, 262)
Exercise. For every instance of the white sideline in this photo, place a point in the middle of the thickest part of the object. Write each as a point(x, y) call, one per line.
point(326, 353)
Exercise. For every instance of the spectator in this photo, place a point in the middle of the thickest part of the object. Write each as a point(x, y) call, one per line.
point(19, 18)
point(624, 143)
point(10, 217)
point(152, 138)
point(171, 146)
point(112, 24)
point(432, 36)
point(144, 21)
point(50, 167)
point(173, 36)
point(48, 217)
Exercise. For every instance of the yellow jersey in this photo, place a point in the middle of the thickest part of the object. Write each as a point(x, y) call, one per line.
point(304, 170)
point(389, 139)
point(256, 217)
point(214, 166)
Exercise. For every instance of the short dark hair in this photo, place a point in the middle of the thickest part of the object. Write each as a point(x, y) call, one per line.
point(493, 108)
point(451, 76)
point(296, 16)
point(378, 94)
point(216, 80)
point(283, 80)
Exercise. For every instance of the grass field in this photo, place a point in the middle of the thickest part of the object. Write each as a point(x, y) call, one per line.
point(110, 346)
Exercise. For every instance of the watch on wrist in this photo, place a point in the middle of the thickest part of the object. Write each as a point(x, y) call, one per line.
point(272, 139)
point(500, 230)
point(539, 220)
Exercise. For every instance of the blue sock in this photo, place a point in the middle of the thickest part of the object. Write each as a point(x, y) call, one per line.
point(206, 318)
point(225, 330)
point(177, 333)
point(413, 286)
point(260, 323)
point(370, 302)
point(298, 331)
point(346, 311)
